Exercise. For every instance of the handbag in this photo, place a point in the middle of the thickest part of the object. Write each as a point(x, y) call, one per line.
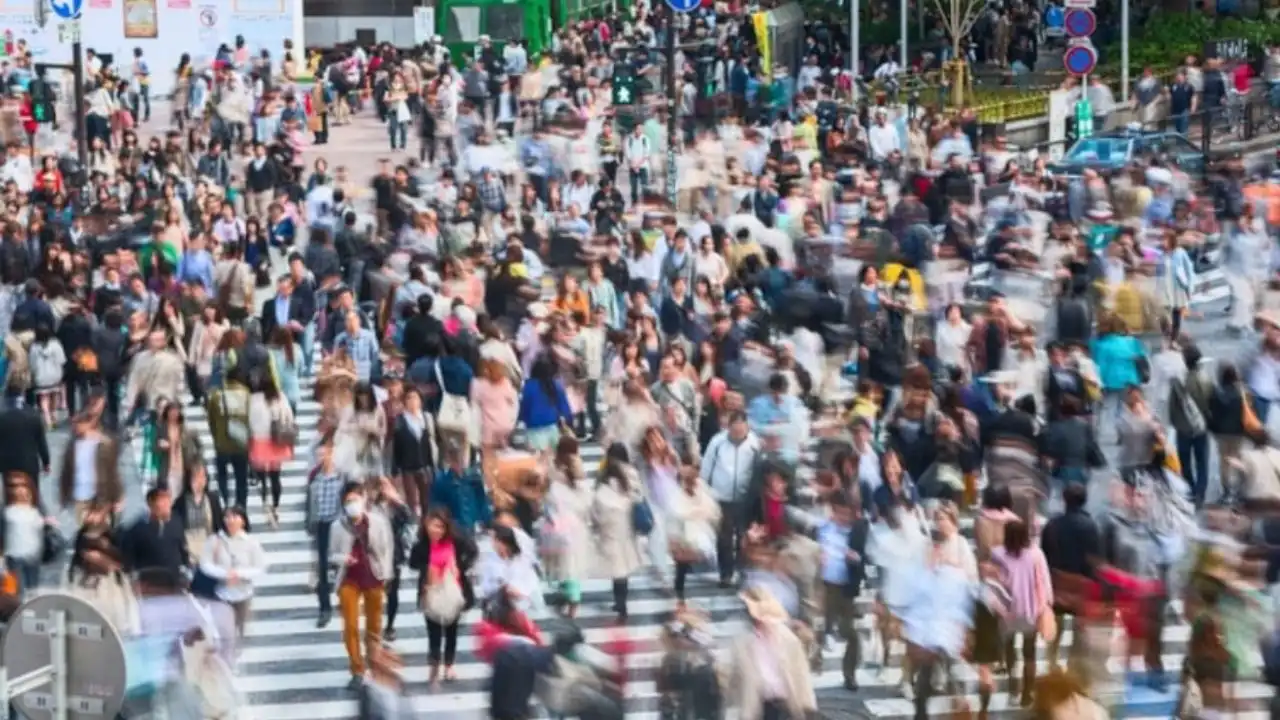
point(204, 585)
point(642, 517)
point(443, 601)
point(455, 410)
point(207, 672)
point(53, 545)
point(1185, 414)
point(284, 433)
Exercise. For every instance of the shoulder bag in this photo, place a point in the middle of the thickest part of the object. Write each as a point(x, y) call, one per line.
point(284, 432)
point(443, 601)
point(455, 410)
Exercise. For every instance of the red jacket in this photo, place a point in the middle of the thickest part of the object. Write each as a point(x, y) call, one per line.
point(1130, 595)
point(494, 636)
point(26, 114)
point(1240, 77)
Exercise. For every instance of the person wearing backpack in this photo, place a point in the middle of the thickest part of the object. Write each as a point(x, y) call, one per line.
point(1189, 414)
point(228, 411)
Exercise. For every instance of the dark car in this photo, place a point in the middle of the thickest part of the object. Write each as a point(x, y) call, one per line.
point(1114, 151)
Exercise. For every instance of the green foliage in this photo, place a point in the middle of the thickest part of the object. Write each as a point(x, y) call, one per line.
point(1167, 38)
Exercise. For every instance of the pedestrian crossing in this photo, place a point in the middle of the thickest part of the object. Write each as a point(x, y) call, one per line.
point(290, 669)
point(1211, 284)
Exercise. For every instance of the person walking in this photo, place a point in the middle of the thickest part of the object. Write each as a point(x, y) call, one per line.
point(361, 548)
point(234, 560)
point(443, 557)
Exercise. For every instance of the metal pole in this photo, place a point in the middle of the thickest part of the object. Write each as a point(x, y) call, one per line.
point(58, 659)
point(673, 92)
point(855, 43)
point(902, 51)
point(77, 79)
point(1124, 50)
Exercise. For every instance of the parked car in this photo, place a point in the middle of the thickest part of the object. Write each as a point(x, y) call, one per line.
point(1114, 151)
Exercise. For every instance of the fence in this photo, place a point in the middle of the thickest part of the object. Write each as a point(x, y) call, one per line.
point(1194, 141)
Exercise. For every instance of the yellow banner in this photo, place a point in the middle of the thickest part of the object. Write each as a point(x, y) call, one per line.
point(760, 21)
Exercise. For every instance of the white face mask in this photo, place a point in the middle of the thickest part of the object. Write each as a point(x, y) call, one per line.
point(354, 508)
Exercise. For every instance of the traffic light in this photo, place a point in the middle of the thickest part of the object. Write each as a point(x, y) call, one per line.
point(624, 84)
point(41, 101)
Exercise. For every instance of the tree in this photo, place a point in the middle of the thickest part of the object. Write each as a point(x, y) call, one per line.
point(958, 18)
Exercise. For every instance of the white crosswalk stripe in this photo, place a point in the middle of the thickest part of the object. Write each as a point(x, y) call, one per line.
point(291, 670)
point(1210, 285)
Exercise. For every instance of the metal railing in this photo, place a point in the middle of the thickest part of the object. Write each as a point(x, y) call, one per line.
point(1035, 100)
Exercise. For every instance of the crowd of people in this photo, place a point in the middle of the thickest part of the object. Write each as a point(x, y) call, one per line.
point(801, 395)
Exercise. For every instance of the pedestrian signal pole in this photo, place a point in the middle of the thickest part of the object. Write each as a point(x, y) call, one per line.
point(1084, 117)
point(673, 94)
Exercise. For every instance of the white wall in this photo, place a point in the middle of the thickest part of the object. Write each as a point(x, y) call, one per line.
point(197, 27)
point(327, 32)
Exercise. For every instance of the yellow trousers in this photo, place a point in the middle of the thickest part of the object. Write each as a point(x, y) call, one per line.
point(350, 600)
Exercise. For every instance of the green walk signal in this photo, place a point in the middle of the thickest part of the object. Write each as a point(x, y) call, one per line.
point(1084, 119)
point(624, 85)
point(40, 112)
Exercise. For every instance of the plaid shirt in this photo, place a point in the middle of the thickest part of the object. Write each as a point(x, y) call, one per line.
point(326, 496)
point(363, 350)
point(493, 195)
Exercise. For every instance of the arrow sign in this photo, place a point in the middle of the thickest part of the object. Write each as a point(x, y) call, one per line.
point(683, 6)
point(67, 9)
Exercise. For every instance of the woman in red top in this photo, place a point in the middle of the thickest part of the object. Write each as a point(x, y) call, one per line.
point(49, 179)
point(442, 554)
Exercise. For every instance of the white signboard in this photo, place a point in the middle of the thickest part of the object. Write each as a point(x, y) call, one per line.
point(1059, 110)
point(424, 24)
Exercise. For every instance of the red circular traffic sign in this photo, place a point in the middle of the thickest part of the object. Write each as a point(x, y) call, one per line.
point(1080, 59)
point(1079, 22)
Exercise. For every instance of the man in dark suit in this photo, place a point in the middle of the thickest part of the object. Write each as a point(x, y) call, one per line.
point(284, 311)
point(24, 447)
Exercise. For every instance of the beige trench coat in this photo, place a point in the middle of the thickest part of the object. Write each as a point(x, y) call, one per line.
point(619, 555)
point(744, 685)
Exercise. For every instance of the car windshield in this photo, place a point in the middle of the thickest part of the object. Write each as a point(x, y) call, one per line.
point(1104, 150)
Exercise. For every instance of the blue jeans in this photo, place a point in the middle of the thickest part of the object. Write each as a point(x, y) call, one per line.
point(308, 347)
point(397, 129)
point(1193, 455)
point(27, 573)
point(639, 181)
point(1182, 122)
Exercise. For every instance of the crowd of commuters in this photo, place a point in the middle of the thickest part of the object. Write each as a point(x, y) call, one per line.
point(802, 396)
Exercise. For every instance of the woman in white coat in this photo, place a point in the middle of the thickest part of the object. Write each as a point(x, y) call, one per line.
point(235, 560)
point(693, 517)
point(660, 467)
point(616, 494)
point(566, 536)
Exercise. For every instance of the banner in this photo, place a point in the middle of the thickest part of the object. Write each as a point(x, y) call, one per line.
point(141, 20)
point(760, 21)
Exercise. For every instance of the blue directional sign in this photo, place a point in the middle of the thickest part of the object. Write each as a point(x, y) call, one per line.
point(67, 9)
point(683, 6)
